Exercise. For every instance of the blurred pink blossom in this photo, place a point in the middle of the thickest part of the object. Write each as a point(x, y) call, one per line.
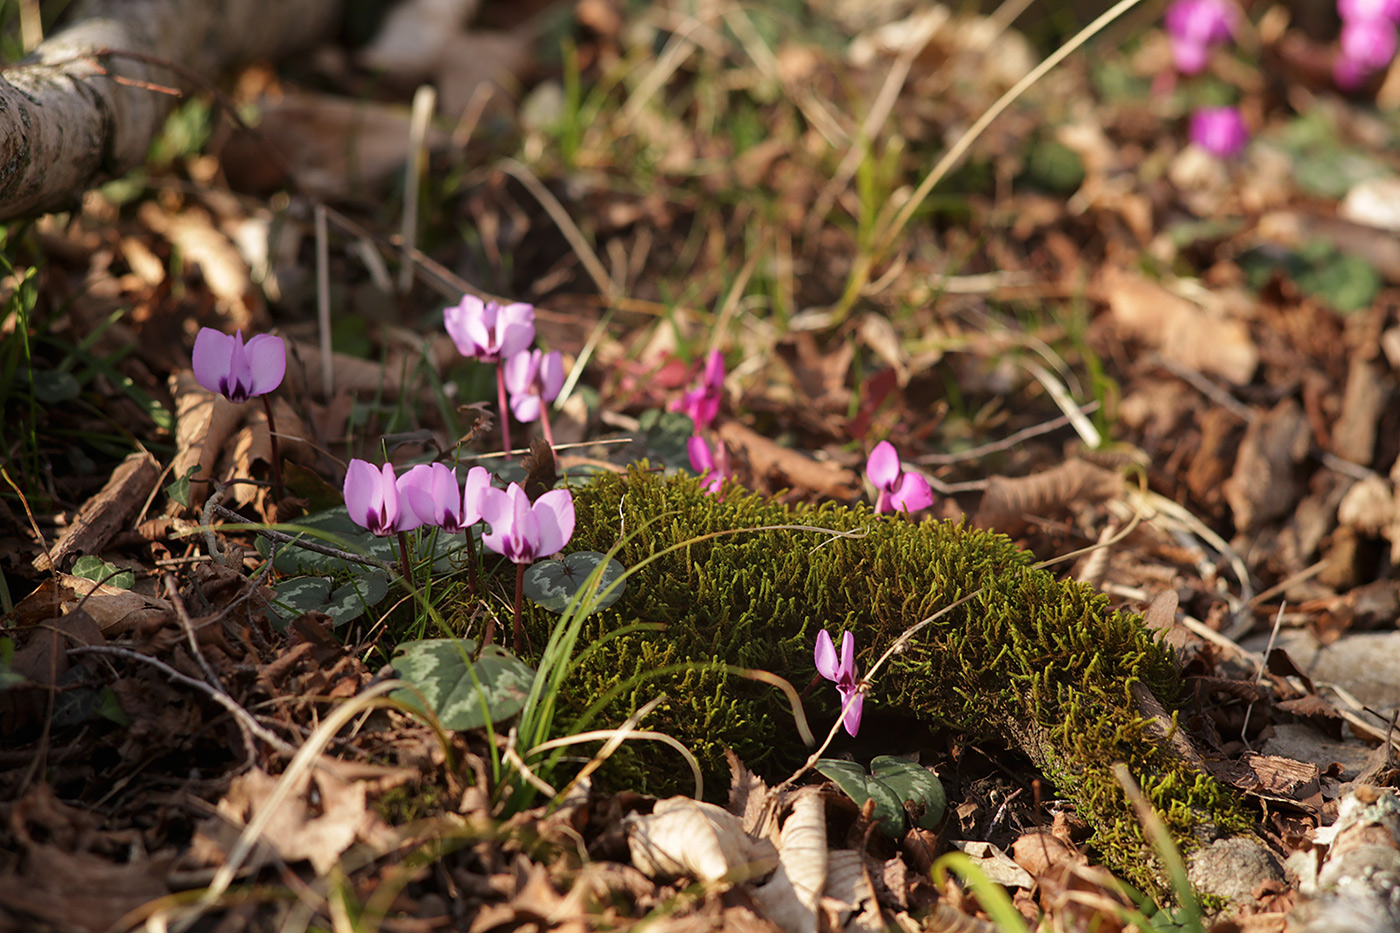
point(1219, 130)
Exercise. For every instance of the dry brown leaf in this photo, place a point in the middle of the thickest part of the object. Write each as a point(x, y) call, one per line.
point(790, 897)
point(750, 797)
point(771, 461)
point(1008, 501)
point(202, 244)
point(1181, 330)
point(1264, 483)
point(848, 899)
point(685, 837)
point(203, 422)
point(299, 830)
point(115, 610)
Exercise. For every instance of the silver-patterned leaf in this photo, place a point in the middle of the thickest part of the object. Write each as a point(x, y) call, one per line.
point(464, 693)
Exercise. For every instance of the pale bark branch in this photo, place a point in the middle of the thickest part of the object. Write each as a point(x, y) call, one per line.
point(70, 120)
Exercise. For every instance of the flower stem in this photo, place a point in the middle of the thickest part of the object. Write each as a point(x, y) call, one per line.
point(880, 503)
point(277, 487)
point(404, 565)
point(471, 565)
point(501, 405)
point(544, 423)
point(519, 599)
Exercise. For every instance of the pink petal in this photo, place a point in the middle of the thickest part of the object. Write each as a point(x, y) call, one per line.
point(701, 460)
point(526, 407)
point(398, 512)
point(882, 467)
point(213, 351)
point(416, 488)
point(463, 324)
point(267, 360)
point(826, 656)
point(514, 529)
point(478, 481)
point(551, 377)
point(913, 494)
point(515, 328)
point(555, 513)
point(847, 668)
point(362, 496)
point(1189, 56)
point(714, 372)
point(856, 699)
point(520, 371)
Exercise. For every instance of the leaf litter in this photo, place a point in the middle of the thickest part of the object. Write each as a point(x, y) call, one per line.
point(1228, 328)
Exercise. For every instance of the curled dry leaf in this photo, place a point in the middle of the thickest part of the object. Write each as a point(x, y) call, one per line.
point(1008, 500)
point(849, 897)
point(685, 837)
point(790, 898)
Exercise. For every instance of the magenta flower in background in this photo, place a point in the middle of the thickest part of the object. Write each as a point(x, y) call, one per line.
point(1193, 26)
point(533, 378)
point(523, 532)
point(1369, 9)
point(713, 470)
point(432, 492)
point(702, 403)
point(488, 330)
point(843, 671)
point(898, 491)
point(224, 364)
point(374, 499)
point(1368, 42)
point(1219, 130)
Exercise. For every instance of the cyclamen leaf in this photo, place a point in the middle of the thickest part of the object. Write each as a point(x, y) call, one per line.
point(464, 694)
point(860, 787)
point(552, 583)
point(913, 784)
point(350, 601)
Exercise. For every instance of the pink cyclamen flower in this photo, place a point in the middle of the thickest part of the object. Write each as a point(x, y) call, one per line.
point(844, 673)
point(432, 492)
point(533, 378)
point(375, 499)
point(1195, 25)
point(223, 364)
point(523, 532)
point(713, 470)
point(1219, 130)
point(898, 491)
point(1369, 9)
point(702, 403)
point(1369, 42)
point(488, 330)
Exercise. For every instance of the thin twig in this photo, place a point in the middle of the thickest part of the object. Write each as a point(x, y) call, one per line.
point(247, 723)
point(302, 542)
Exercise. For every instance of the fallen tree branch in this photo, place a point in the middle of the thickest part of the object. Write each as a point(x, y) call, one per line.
point(72, 118)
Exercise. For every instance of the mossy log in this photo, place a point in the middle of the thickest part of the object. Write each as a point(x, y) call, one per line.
point(1038, 662)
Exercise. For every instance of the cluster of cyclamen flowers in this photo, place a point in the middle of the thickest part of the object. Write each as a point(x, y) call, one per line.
point(1193, 27)
point(1367, 43)
point(702, 405)
point(491, 332)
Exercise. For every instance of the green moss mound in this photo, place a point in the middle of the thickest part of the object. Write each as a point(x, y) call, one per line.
point(1036, 661)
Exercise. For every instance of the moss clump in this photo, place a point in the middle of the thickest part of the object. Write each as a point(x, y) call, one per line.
point(1031, 659)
